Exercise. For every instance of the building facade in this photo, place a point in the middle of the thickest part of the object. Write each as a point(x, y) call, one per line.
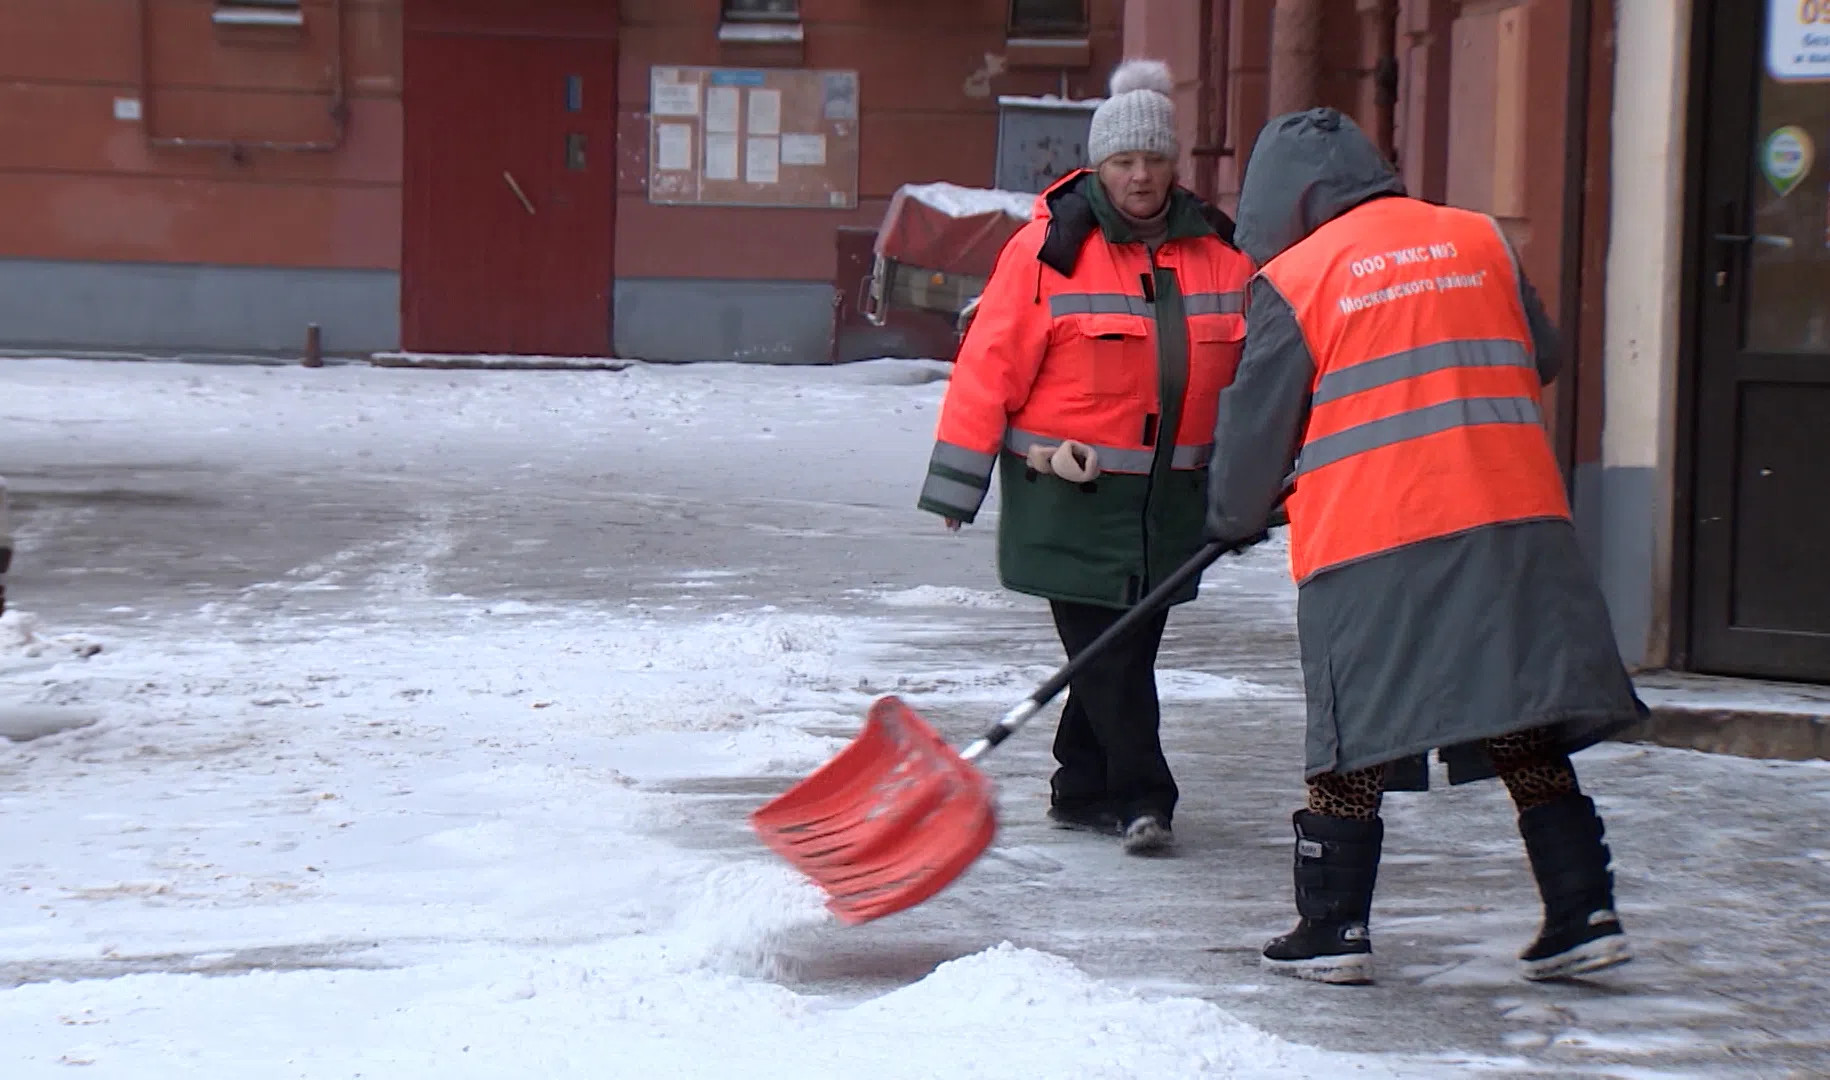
point(1654, 161)
point(472, 176)
point(695, 179)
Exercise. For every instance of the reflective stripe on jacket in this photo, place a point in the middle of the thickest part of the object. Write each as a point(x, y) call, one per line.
point(1425, 413)
point(1051, 357)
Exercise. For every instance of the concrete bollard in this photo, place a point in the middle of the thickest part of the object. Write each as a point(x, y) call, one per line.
point(314, 346)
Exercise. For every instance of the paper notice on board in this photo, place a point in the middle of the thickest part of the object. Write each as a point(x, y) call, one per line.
point(720, 157)
point(721, 109)
point(762, 160)
point(803, 149)
point(675, 99)
point(765, 112)
point(674, 149)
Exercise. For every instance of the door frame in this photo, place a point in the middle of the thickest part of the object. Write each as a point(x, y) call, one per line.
point(1690, 324)
point(1722, 86)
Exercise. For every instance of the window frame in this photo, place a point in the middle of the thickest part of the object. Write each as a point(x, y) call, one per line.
point(1055, 28)
point(730, 15)
point(282, 13)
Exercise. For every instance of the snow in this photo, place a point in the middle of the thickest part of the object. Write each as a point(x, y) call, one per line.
point(944, 596)
point(394, 847)
point(956, 201)
point(344, 819)
point(1050, 101)
point(414, 715)
point(21, 636)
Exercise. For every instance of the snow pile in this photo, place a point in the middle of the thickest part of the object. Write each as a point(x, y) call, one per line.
point(956, 201)
point(1004, 1012)
point(1051, 101)
point(20, 636)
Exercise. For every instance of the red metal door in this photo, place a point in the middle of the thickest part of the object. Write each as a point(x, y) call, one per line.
point(510, 194)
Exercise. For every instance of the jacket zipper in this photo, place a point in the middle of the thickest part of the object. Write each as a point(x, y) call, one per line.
point(1156, 458)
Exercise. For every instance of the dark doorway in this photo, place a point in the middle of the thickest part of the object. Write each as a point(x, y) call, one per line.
point(1760, 558)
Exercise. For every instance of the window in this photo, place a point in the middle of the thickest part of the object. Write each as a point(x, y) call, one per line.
point(762, 10)
point(1048, 18)
point(258, 13)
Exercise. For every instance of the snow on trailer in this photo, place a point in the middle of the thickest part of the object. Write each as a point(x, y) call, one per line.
point(937, 245)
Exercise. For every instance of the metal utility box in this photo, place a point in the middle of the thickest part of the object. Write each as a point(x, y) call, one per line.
point(1041, 140)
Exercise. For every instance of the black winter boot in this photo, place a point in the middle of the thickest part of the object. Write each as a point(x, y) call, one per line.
point(1337, 864)
point(1581, 933)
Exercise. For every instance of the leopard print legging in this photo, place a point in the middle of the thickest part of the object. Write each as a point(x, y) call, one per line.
point(1534, 770)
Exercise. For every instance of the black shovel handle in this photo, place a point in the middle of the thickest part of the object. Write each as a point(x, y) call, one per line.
point(1153, 603)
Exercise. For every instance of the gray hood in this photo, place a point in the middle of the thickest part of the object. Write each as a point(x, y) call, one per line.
point(1307, 169)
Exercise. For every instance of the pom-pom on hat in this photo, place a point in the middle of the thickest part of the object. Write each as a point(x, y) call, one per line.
point(1139, 117)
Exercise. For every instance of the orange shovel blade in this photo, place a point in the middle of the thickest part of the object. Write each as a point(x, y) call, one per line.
point(889, 822)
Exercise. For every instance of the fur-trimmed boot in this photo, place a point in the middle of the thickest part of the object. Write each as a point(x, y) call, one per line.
point(1337, 865)
point(1581, 932)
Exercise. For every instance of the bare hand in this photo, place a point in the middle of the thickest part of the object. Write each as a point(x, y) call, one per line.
point(952, 524)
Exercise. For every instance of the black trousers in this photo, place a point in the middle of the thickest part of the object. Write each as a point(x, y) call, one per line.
point(1108, 746)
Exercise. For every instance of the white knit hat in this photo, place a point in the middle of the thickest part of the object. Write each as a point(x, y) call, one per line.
point(1139, 117)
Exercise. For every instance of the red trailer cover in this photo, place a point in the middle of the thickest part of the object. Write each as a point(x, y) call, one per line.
point(955, 229)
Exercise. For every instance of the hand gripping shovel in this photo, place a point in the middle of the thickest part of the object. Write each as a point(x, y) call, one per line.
point(897, 815)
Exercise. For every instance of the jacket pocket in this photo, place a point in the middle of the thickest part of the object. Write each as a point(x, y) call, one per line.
point(1215, 342)
point(1109, 355)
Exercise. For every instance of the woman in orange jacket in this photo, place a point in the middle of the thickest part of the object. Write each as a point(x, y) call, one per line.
point(1089, 378)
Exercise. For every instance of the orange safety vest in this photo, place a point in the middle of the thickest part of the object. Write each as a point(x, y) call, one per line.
point(1425, 413)
point(1052, 357)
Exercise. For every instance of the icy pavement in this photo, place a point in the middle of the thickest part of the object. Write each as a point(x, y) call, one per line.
point(429, 706)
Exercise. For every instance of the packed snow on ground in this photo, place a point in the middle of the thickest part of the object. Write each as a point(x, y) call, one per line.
point(397, 848)
point(420, 834)
point(945, 596)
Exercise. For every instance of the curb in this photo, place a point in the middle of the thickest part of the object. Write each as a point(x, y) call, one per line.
point(461, 363)
point(1749, 733)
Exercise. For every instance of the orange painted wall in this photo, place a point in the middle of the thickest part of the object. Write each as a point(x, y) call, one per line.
point(929, 78)
point(77, 183)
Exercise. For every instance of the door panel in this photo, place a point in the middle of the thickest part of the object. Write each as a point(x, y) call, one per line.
point(509, 195)
point(1761, 559)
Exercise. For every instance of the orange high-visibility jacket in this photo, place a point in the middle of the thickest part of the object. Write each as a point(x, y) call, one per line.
point(1425, 413)
point(1053, 356)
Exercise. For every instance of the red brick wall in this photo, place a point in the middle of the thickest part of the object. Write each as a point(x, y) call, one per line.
point(929, 78)
point(77, 183)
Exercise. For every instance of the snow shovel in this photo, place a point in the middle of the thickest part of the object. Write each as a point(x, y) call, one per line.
point(897, 815)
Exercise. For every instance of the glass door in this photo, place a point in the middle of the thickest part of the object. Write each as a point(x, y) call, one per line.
point(1760, 574)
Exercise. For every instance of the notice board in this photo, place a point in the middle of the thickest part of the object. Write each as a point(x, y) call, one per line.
point(753, 137)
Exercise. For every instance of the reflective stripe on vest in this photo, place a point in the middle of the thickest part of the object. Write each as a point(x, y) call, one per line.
point(1425, 417)
point(1209, 303)
point(1114, 459)
point(1386, 428)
